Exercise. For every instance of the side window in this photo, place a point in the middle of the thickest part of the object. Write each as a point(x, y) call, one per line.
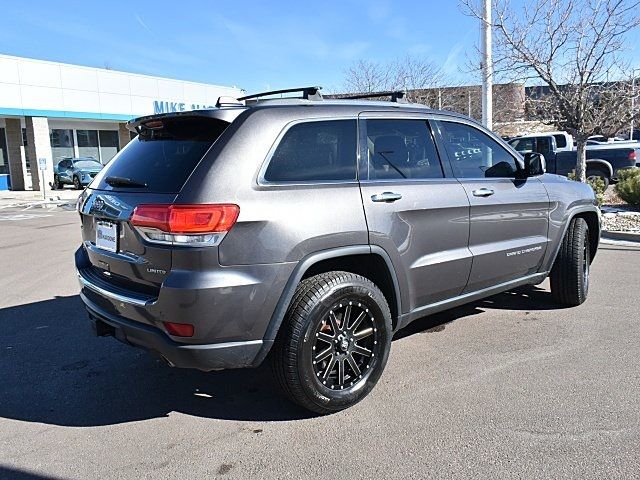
point(523, 144)
point(400, 149)
point(474, 154)
point(315, 151)
point(544, 145)
point(561, 141)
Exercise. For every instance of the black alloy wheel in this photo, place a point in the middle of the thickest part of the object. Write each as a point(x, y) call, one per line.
point(346, 342)
point(334, 341)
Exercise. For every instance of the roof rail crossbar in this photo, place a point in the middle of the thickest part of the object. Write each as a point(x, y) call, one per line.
point(308, 93)
point(396, 96)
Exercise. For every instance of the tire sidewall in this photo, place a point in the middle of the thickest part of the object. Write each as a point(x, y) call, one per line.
point(340, 399)
point(584, 243)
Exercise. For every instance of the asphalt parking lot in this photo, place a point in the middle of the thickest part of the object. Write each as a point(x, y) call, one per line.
point(508, 387)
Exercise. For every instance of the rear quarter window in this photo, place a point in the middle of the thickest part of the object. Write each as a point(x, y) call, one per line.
point(315, 151)
point(163, 158)
point(561, 141)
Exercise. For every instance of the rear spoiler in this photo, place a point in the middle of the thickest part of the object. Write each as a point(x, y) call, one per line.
point(227, 114)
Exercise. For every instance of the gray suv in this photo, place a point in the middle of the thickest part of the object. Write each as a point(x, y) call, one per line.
point(310, 230)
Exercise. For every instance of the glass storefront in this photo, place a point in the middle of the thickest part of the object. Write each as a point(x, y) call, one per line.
point(4, 158)
point(26, 150)
point(99, 144)
point(61, 144)
point(88, 144)
point(109, 144)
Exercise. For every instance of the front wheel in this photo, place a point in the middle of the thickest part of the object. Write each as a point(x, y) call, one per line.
point(76, 183)
point(570, 273)
point(334, 342)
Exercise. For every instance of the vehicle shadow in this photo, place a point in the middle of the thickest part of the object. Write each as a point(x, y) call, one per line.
point(18, 474)
point(526, 298)
point(54, 371)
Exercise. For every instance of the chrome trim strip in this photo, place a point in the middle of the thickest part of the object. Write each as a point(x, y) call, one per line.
point(219, 346)
point(121, 255)
point(84, 283)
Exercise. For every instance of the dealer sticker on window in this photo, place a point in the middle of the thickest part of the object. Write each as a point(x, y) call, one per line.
point(107, 236)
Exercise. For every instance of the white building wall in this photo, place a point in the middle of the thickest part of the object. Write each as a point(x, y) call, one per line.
point(37, 87)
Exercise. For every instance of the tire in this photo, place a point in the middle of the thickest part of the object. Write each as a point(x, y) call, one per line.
point(599, 174)
point(317, 362)
point(76, 183)
point(570, 273)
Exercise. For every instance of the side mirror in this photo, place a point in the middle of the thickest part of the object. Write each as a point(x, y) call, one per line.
point(534, 164)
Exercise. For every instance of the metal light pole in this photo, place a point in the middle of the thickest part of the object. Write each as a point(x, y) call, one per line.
point(633, 102)
point(487, 67)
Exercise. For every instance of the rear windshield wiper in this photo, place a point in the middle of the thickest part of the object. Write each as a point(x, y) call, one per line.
point(124, 182)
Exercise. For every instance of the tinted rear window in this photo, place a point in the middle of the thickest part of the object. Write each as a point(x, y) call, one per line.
point(87, 164)
point(315, 151)
point(561, 141)
point(163, 158)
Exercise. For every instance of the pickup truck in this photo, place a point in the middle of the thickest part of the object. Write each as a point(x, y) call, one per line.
point(603, 161)
point(564, 140)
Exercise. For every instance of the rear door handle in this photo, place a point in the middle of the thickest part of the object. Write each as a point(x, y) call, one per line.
point(483, 192)
point(386, 197)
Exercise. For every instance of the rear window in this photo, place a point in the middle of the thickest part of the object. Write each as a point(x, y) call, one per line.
point(561, 141)
point(315, 151)
point(162, 158)
point(87, 164)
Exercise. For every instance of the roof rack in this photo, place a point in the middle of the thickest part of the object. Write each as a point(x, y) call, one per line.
point(308, 93)
point(396, 96)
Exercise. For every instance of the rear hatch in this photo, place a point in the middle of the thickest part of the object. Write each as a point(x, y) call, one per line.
point(150, 170)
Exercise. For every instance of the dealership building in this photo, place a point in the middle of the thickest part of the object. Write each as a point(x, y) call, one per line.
point(51, 110)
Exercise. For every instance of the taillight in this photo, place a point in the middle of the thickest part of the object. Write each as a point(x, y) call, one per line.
point(633, 155)
point(185, 224)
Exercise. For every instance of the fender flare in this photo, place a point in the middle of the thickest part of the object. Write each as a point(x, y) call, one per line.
point(603, 163)
point(571, 215)
point(296, 276)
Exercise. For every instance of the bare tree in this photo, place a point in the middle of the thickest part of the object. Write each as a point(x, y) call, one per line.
point(366, 76)
point(410, 74)
point(574, 48)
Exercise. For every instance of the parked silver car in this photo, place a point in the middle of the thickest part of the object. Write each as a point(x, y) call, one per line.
point(310, 230)
point(75, 171)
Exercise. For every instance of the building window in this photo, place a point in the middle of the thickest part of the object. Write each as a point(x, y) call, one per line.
point(4, 159)
point(109, 144)
point(27, 161)
point(88, 145)
point(61, 144)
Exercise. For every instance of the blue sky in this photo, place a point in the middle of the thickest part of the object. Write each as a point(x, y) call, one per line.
point(251, 44)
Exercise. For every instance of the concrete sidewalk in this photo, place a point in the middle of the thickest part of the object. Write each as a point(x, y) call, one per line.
point(10, 198)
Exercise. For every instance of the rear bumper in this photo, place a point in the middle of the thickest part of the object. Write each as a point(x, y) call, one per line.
point(229, 307)
point(216, 356)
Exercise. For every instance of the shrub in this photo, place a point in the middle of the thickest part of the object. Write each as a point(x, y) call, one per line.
point(628, 186)
point(597, 184)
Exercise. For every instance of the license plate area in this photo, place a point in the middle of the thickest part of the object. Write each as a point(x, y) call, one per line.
point(107, 236)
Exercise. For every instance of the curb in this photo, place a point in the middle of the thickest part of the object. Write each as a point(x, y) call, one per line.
point(624, 236)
